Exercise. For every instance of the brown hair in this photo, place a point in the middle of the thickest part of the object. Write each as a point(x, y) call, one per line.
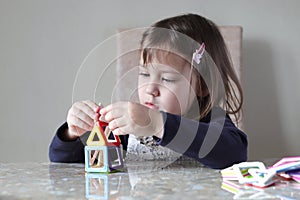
point(198, 30)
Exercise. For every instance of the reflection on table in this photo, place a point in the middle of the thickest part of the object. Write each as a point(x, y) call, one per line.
point(139, 180)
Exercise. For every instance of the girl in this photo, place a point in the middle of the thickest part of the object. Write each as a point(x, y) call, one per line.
point(186, 89)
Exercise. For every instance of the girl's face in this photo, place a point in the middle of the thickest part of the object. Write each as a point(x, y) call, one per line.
point(165, 84)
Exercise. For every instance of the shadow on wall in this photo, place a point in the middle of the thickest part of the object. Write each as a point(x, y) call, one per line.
point(262, 117)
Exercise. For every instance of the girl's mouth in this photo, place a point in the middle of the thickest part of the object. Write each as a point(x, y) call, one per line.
point(151, 105)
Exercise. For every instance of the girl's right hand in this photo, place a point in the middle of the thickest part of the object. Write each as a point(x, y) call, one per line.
point(81, 118)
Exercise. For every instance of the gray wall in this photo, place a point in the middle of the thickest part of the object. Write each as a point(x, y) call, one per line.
point(43, 43)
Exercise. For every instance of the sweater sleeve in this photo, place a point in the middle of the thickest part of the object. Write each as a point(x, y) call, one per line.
point(66, 151)
point(216, 143)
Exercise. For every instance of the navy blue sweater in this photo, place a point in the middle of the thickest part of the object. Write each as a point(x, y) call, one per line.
point(214, 141)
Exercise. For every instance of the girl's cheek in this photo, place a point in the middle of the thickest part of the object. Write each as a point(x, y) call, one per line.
point(141, 94)
point(172, 104)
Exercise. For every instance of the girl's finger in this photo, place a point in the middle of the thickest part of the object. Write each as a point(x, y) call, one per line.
point(119, 132)
point(102, 118)
point(85, 118)
point(117, 123)
point(114, 114)
point(114, 106)
point(106, 109)
point(76, 131)
point(75, 121)
point(92, 105)
point(83, 109)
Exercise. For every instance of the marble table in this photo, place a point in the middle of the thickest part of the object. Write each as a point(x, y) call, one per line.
point(138, 180)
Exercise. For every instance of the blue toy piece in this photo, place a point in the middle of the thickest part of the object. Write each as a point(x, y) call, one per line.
point(101, 159)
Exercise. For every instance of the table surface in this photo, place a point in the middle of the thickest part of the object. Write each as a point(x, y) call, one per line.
point(138, 180)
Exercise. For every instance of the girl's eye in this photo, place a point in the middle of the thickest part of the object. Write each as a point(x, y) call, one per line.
point(168, 80)
point(144, 74)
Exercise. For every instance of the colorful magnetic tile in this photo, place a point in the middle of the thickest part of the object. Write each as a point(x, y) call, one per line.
point(99, 159)
point(284, 167)
point(96, 159)
point(295, 175)
point(287, 160)
point(242, 169)
point(229, 174)
point(231, 186)
point(100, 134)
point(263, 178)
point(96, 137)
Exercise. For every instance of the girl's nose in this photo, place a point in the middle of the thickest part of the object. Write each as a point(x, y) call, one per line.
point(152, 89)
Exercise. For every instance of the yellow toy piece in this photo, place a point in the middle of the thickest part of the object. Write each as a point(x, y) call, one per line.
point(91, 139)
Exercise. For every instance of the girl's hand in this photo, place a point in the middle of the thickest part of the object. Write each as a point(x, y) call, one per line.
point(81, 118)
point(128, 117)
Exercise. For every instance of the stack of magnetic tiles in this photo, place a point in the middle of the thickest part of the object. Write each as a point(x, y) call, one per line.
point(257, 175)
point(103, 152)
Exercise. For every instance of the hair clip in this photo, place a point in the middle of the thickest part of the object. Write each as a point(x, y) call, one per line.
point(197, 55)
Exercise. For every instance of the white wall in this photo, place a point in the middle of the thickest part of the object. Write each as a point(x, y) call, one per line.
point(42, 44)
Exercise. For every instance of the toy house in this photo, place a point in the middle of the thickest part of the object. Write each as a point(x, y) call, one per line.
point(103, 150)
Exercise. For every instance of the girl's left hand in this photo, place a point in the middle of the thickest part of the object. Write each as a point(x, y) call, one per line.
point(132, 118)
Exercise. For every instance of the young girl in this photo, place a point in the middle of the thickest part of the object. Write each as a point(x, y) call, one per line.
point(186, 89)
